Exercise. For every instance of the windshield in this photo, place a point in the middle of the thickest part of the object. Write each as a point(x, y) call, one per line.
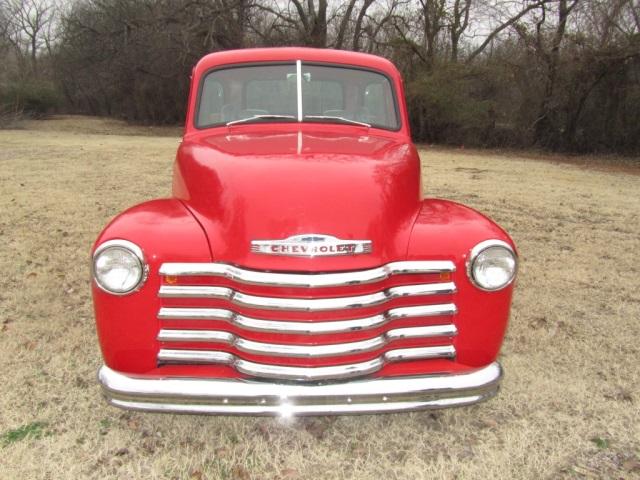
point(273, 93)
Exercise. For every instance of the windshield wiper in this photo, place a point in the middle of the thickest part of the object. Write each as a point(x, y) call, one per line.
point(340, 119)
point(266, 116)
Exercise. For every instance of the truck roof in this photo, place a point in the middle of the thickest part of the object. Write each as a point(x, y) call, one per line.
point(276, 54)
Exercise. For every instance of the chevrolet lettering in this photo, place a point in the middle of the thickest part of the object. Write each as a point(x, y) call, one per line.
point(311, 245)
point(297, 267)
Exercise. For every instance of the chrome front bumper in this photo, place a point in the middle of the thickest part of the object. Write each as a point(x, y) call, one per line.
point(250, 397)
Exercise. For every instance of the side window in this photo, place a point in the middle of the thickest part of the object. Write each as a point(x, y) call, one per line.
point(212, 99)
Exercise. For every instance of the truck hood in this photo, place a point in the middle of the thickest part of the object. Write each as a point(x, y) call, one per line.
point(243, 186)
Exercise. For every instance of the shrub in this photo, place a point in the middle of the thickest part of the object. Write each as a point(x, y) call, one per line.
point(32, 98)
point(9, 116)
point(445, 106)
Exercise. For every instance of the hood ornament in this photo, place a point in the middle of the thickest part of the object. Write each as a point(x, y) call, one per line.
point(311, 245)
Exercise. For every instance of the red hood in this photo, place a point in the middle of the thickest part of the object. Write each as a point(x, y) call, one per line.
point(250, 185)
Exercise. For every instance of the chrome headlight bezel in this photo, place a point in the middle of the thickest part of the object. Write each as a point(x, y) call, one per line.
point(136, 253)
point(480, 248)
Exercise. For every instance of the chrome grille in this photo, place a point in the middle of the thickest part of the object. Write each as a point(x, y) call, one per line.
point(211, 318)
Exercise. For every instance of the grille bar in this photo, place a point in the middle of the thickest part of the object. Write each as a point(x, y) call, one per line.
point(308, 328)
point(303, 373)
point(305, 304)
point(306, 280)
point(306, 351)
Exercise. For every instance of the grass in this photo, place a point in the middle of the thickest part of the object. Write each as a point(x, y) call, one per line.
point(600, 442)
point(31, 430)
point(569, 403)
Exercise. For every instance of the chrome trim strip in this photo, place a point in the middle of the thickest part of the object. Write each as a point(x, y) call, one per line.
point(427, 331)
point(263, 370)
point(195, 313)
point(420, 353)
point(306, 351)
point(283, 372)
point(307, 328)
point(305, 304)
point(194, 291)
point(246, 397)
point(306, 280)
point(310, 351)
point(195, 356)
point(216, 336)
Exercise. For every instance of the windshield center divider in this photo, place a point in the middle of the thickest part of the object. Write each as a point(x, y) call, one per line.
point(299, 88)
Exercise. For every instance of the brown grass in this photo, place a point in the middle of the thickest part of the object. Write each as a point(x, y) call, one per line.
point(569, 404)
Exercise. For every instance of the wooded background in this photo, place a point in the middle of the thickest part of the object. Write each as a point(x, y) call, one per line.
point(562, 75)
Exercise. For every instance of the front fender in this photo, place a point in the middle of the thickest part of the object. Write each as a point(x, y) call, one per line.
point(446, 230)
point(127, 325)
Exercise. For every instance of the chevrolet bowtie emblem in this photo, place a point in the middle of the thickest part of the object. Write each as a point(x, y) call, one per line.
point(311, 245)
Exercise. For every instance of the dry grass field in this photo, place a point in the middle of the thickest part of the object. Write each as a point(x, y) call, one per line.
point(570, 403)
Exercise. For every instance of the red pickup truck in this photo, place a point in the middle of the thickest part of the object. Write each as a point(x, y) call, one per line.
point(296, 269)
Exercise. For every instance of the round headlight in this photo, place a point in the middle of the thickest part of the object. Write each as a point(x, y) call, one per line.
point(118, 267)
point(492, 265)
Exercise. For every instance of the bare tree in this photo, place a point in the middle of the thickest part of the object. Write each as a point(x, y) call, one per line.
point(421, 30)
point(358, 24)
point(459, 24)
point(307, 20)
point(546, 42)
point(28, 28)
point(514, 14)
